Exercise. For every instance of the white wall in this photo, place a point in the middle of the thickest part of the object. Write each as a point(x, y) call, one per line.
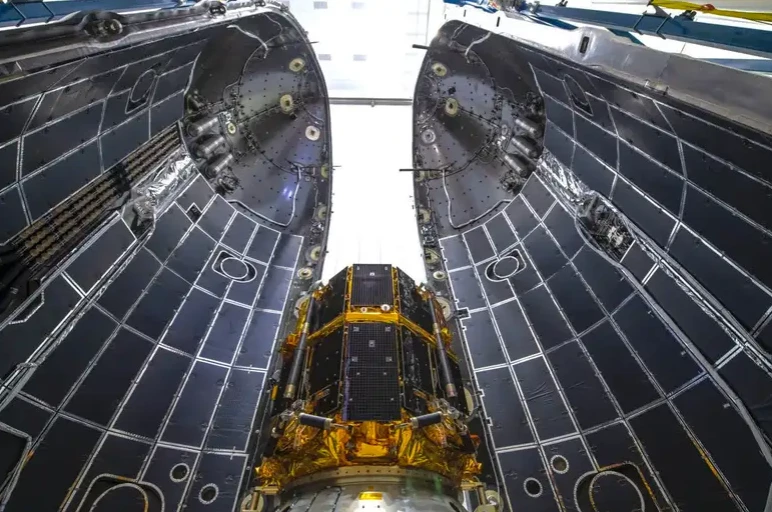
point(373, 216)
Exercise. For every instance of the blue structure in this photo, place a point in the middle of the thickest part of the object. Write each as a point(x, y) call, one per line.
point(24, 13)
point(680, 28)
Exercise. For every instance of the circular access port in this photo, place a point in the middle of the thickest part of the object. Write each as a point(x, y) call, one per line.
point(305, 273)
point(142, 86)
point(532, 487)
point(208, 494)
point(233, 268)
point(428, 136)
point(125, 497)
point(313, 133)
point(179, 472)
point(577, 94)
point(439, 275)
point(559, 464)
point(504, 268)
point(611, 491)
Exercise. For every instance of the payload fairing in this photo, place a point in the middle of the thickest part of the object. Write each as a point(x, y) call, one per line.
point(595, 333)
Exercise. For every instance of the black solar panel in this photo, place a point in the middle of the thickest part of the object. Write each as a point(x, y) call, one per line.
point(372, 285)
point(372, 394)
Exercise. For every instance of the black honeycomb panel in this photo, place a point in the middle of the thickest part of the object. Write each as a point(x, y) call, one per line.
point(166, 113)
point(124, 139)
point(100, 256)
point(739, 240)
point(544, 316)
point(150, 400)
point(690, 317)
point(171, 82)
point(734, 148)
point(333, 301)
point(412, 305)
point(191, 322)
point(582, 386)
point(637, 261)
point(454, 252)
point(501, 232)
point(14, 117)
point(371, 345)
point(189, 258)
point(466, 289)
point(559, 114)
point(520, 216)
point(326, 362)
point(169, 229)
point(652, 220)
point(706, 412)
point(605, 281)
point(548, 412)
point(58, 181)
point(59, 298)
point(8, 164)
point(592, 172)
point(599, 142)
point(372, 285)
point(754, 384)
point(372, 393)
point(189, 419)
point(559, 144)
point(221, 471)
point(629, 101)
point(509, 423)
point(127, 287)
point(692, 483)
point(416, 362)
point(515, 332)
point(160, 465)
point(538, 196)
point(233, 419)
point(517, 467)
point(61, 369)
point(225, 333)
point(544, 252)
point(570, 293)
point(103, 389)
point(478, 244)
point(157, 307)
point(659, 184)
point(563, 228)
point(481, 338)
point(747, 194)
point(47, 144)
point(259, 339)
point(659, 145)
point(66, 445)
point(742, 297)
point(622, 373)
point(661, 352)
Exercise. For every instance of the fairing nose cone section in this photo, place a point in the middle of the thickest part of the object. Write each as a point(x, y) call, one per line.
point(599, 218)
point(164, 193)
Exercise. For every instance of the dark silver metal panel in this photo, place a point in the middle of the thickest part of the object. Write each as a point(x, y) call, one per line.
point(138, 364)
point(607, 347)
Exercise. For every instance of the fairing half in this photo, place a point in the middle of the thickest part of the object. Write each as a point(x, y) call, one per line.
point(144, 280)
point(609, 270)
